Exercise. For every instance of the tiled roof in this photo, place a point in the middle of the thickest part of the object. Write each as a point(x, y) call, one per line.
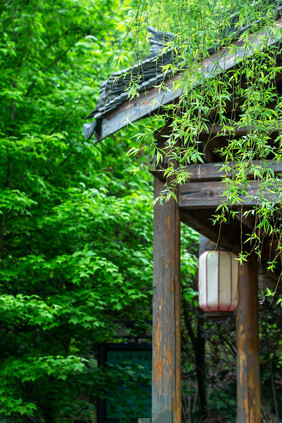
point(149, 72)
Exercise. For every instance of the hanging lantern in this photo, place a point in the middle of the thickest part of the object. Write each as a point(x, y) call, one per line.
point(218, 281)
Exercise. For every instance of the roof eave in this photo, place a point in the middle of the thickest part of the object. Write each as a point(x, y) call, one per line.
point(149, 103)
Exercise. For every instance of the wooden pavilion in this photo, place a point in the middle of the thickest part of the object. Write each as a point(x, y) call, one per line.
point(197, 202)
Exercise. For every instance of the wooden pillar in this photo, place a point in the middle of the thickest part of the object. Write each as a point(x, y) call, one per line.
point(248, 373)
point(166, 381)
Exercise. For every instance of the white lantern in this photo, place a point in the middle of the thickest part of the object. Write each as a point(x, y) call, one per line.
point(218, 281)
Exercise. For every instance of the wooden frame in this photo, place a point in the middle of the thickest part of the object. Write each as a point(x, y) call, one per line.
point(197, 204)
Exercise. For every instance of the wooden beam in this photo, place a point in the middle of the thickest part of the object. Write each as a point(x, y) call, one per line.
point(209, 172)
point(166, 381)
point(269, 280)
point(151, 102)
point(211, 194)
point(205, 245)
point(248, 372)
point(239, 131)
point(225, 235)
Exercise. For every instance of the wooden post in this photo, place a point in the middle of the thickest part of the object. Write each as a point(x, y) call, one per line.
point(166, 383)
point(248, 373)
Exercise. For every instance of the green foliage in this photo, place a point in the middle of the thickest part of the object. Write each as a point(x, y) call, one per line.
point(75, 221)
point(247, 95)
point(244, 96)
point(75, 218)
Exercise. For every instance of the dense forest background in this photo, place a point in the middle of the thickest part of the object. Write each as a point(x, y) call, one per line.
point(76, 233)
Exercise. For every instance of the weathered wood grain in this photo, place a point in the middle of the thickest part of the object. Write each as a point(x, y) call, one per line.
point(238, 130)
point(211, 194)
point(225, 235)
point(150, 102)
point(166, 381)
point(248, 371)
point(211, 171)
point(269, 280)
